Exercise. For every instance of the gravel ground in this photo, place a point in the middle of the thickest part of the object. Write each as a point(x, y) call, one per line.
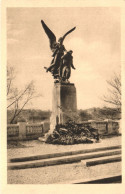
point(60, 173)
point(35, 147)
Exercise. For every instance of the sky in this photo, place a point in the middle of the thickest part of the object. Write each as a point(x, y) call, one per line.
point(95, 43)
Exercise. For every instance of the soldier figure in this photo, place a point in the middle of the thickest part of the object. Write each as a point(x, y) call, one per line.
point(67, 63)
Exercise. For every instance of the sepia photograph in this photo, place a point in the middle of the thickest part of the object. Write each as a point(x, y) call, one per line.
point(64, 95)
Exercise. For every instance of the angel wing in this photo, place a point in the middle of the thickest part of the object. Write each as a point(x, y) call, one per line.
point(68, 33)
point(50, 34)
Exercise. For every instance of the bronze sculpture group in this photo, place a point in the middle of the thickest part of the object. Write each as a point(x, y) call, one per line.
point(62, 60)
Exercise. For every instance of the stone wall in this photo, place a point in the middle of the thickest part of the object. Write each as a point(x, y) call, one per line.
point(13, 132)
point(104, 127)
point(24, 131)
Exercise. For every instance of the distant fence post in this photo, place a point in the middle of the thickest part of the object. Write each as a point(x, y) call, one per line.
point(22, 130)
point(93, 124)
point(120, 127)
point(46, 126)
point(110, 128)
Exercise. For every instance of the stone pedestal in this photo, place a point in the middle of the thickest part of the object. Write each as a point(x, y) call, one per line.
point(64, 103)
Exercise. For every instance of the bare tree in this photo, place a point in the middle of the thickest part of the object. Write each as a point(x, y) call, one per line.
point(114, 91)
point(18, 99)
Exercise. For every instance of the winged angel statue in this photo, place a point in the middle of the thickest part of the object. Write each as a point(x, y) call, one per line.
point(62, 60)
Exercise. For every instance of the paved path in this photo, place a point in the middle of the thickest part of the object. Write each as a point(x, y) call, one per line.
point(61, 173)
point(38, 148)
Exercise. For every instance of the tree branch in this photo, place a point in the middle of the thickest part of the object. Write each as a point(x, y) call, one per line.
point(19, 96)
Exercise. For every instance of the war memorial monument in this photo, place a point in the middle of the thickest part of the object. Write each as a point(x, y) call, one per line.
point(64, 102)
